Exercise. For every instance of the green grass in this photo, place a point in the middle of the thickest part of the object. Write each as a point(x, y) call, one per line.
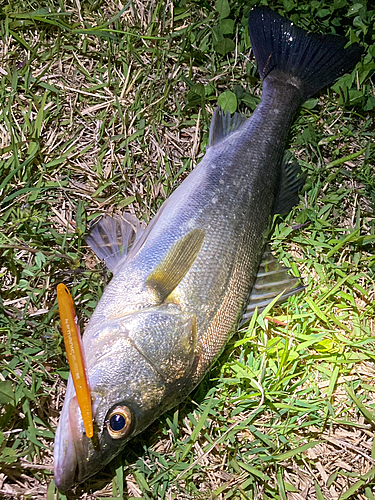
point(103, 110)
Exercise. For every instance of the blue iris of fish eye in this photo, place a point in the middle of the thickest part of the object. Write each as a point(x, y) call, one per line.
point(117, 422)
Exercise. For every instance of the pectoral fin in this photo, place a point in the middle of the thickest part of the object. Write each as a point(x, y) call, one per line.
point(272, 279)
point(172, 269)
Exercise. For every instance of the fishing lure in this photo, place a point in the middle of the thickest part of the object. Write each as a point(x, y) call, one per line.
point(76, 360)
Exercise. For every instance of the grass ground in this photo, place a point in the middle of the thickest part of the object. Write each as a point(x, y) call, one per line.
point(106, 107)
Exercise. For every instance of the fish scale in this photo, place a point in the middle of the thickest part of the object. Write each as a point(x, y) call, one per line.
point(181, 290)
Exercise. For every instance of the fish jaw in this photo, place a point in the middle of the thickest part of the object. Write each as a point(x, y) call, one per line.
point(65, 460)
point(65, 454)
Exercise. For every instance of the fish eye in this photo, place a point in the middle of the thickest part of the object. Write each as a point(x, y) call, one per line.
point(119, 422)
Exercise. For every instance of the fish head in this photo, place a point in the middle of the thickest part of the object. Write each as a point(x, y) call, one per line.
point(136, 367)
point(78, 457)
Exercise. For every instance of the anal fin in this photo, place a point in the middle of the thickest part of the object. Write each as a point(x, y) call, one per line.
point(272, 279)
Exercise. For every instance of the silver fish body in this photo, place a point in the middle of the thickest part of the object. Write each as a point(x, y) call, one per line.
point(180, 292)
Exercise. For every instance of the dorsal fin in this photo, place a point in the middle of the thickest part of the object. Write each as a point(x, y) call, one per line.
point(112, 237)
point(223, 124)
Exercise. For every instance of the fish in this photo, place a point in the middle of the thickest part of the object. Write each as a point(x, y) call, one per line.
point(182, 285)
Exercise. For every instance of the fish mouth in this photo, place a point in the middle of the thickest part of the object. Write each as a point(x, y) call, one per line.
point(65, 453)
point(71, 446)
point(76, 457)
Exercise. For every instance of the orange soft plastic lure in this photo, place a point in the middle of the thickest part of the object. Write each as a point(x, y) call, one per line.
point(73, 346)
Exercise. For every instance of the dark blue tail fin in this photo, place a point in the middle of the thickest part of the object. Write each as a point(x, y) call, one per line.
point(315, 60)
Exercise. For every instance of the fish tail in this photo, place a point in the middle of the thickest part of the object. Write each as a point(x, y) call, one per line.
point(312, 61)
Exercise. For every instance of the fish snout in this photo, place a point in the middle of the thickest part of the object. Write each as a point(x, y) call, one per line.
point(77, 457)
point(65, 456)
point(71, 445)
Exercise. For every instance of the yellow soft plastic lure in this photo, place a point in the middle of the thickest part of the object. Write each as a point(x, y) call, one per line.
point(73, 346)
